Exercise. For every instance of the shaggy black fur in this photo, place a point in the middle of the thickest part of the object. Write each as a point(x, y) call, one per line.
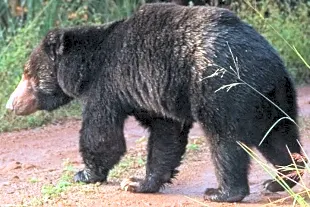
point(158, 66)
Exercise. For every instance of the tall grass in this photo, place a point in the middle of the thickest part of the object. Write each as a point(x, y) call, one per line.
point(298, 198)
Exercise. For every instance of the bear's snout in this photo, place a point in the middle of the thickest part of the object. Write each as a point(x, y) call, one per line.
point(22, 101)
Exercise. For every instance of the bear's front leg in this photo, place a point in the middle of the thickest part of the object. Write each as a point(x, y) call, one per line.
point(102, 143)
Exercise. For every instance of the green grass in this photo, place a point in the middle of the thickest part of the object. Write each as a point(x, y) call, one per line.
point(51, 192)
point(132, 162)
point(194, 145)
point(298, 198)
point(65, 181)
point(127, 166)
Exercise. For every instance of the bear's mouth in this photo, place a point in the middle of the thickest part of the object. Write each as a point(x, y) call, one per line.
point(23, 101)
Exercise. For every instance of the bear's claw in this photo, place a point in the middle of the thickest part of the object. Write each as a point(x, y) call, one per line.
point(218, 195)
point(131, 184)
point(86, 176)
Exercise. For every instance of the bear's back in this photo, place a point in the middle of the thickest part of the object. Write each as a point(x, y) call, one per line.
point(199, 36)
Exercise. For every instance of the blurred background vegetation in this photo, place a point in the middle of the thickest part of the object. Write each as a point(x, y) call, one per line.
point(23, 23)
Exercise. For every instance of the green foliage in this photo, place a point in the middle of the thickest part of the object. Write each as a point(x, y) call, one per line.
point(53, 190)
point(285, 28)
point(128, 163)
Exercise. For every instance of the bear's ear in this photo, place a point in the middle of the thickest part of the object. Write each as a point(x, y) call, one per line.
point(53, 43)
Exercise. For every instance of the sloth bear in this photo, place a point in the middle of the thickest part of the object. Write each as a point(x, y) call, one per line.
point(166, 65)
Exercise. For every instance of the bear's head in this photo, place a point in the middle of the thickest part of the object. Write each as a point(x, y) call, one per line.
point(39, 88)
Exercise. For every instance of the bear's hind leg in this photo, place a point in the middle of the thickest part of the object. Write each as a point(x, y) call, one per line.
point(166, 145)
point(231, 165)
point(275, 149)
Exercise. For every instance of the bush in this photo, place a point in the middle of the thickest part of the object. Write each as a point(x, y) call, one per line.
point(284, 27)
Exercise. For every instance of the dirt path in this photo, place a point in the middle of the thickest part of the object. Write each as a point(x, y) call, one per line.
point(32, 159)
